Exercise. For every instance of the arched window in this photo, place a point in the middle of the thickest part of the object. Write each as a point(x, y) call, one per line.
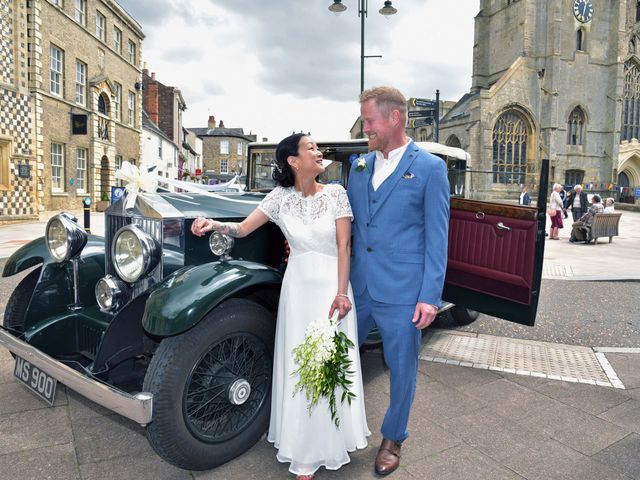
point(423, 136)
point(638, 11)
point(631, 102)
point(575, 127)
point(573, 177)
point(454, 141)
point(510, 148)
point(580, 40)
point(102, 104)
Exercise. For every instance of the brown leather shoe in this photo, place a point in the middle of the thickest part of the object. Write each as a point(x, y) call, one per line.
point(388, 457)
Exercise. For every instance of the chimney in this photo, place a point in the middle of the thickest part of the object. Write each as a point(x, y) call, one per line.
point(212, 122)
point(145, 70)
point(221, 124)
point(151, 93)
point(153, 75)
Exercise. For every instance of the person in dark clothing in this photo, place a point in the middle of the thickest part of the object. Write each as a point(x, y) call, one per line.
point(524, 199)
point(577, 202)
point(563, 196)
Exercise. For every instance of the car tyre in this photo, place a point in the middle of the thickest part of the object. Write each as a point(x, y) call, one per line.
point(463, 316)
point(194, 378)
point(16, 310)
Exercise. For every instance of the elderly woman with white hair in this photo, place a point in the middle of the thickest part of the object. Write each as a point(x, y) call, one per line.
point(608, 205)
point(577, 202)
point(555, 211)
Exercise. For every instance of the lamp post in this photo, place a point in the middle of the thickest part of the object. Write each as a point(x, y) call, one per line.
point(387, 10)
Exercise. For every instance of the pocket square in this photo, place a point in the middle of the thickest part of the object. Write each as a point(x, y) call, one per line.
point(408, 176)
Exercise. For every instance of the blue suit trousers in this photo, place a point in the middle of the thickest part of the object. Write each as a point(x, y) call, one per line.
point(401, 342)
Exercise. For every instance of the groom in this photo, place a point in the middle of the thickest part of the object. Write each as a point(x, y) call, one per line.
point(400, 202)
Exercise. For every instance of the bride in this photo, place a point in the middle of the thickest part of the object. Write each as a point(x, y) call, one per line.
point(316, 221)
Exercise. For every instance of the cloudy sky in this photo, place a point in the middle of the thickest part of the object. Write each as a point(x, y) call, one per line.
point(272, 67)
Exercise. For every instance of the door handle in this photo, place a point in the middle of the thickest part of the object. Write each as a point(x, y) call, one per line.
point(502, 226)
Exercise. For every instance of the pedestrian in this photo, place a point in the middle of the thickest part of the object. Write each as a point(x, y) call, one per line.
point(316, 221)
point(524, 199)
point(563, 196)
point(577, 202)
point(581, 228)
point(608, 205)
point(555, 212)
point(400, 199)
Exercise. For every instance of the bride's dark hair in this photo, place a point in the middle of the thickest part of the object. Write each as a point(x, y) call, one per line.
point(283, 173)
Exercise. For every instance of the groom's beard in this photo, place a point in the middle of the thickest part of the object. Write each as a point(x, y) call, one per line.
point(377, 144)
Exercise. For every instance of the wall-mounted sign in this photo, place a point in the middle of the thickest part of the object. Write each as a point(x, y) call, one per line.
point(24, 170)
point(79, 124)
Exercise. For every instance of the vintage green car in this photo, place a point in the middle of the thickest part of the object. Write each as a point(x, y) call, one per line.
point(176, 332)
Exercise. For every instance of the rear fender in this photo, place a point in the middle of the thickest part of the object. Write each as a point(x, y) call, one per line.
point(187, 295)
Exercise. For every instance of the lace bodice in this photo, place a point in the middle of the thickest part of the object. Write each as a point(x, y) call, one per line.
point(308, 223)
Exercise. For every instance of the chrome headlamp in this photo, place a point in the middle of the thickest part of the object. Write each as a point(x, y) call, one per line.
point(110, 293)
point(64, 237)
point(134, 252)
point(220, 244)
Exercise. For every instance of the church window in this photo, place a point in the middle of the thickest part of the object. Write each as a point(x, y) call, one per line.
point(575, 127)
point(580, 40)
point(632, 46)
point(573, 177)
point(638, 11)
point(631, 102)
point(510, 148)
point(454, 141)
point(423, 136)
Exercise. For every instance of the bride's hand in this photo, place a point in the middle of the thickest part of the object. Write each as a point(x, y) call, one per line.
point(342, 305)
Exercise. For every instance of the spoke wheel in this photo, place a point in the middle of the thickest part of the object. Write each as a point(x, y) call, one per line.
point(227, 388)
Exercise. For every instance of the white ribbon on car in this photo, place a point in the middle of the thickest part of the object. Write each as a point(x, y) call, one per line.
point(139, 181)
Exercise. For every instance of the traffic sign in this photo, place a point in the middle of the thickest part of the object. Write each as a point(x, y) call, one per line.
point(637, 193)
point(422, 102)
point(420, 122)
point(422, 113)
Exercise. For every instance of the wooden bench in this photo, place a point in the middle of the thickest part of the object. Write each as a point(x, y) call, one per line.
point(605, 225)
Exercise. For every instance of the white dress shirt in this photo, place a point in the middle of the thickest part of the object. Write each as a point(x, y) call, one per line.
point(386, 166)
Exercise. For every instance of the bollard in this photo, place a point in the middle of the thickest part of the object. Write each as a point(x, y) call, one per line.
point(87, 214)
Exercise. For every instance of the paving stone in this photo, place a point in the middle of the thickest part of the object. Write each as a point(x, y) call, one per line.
point(493, 435)
point(511, 400)
point(6, 366)
point(585, 433)
point(106, 437)
point(589, 398)
point(526, 381)
point(141, 467)
point(15, 397)
point(626, 367)
point(440, 402)
point(33, 429)
point(461, 462)
point(425, 437)
point(626, 415)
point(81, 407)
point(623, 455)
point(455, 376)
point(55, 462)
point(554, 461)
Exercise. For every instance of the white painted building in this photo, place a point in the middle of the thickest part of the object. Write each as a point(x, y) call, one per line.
point(158, 149)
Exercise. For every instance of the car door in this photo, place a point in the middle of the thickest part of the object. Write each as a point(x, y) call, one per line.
point(495, 256)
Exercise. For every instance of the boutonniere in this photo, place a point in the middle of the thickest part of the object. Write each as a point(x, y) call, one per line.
point(408, 176)
point(361, 164)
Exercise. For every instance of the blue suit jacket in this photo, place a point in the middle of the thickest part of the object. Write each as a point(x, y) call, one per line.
point(399, 250)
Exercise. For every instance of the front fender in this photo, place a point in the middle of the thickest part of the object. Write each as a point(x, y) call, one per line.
point(35, 253)
point(187, 295)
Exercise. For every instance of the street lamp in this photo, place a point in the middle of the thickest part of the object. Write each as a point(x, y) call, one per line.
point(337, 7)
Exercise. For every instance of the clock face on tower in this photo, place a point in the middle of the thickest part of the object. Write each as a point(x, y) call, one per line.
point(583, 10)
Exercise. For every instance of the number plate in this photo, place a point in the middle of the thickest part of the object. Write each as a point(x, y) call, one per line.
point(43, 384)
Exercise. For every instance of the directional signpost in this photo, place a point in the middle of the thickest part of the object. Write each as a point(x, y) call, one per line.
point(429, 113)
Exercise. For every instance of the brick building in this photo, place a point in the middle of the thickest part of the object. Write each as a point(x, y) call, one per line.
point(85, 82)
point(224, 150)
point(18, 173)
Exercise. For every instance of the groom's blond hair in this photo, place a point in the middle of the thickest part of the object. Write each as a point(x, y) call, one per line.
point(387, 99)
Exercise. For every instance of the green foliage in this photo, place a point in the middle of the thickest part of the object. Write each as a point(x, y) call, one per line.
point(104, 196)
point(321, 379)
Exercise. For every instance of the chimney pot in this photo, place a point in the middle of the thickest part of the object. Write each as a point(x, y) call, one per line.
point(221, 124)
point(153, 75)
point(211, 123)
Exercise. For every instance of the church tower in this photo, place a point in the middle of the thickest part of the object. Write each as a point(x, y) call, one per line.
point(548, 82)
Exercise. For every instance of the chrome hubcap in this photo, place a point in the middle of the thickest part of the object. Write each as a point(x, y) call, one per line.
point(239, 391)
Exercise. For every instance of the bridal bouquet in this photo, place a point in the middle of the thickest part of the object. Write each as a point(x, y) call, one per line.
point(323, 365)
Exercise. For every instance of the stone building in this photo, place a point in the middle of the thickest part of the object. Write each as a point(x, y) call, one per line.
point(18, 166)
point(557, 80)
point(85, 82)
point(224, 150)
point(165, 105)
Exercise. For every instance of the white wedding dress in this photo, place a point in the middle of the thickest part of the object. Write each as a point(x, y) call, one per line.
point(309, 287)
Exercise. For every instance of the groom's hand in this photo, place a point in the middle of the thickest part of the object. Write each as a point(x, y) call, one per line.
point(424, 315)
